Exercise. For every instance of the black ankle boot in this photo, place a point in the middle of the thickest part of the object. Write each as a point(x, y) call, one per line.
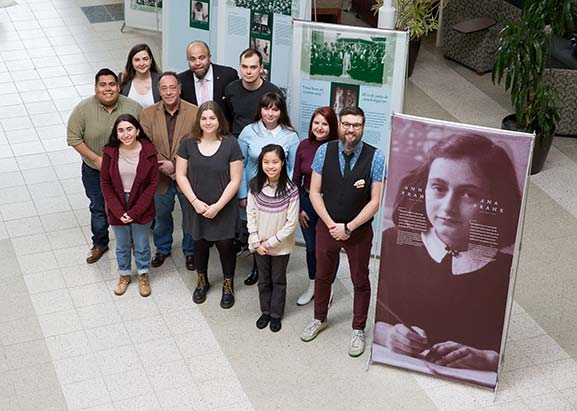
point(227, 299)
point(202, 286)
point(252, 277)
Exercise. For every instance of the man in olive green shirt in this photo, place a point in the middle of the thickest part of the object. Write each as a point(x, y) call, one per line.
point(89, 128)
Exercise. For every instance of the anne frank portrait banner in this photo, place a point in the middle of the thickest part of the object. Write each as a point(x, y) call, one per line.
point(453, 213)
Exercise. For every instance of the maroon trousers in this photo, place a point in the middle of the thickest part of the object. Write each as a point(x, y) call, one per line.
point(358, 249)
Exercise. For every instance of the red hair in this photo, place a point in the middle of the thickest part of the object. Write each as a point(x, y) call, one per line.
point(331, 118)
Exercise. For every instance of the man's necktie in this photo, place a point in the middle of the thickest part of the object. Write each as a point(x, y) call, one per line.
point(203, 91)
point(348, 158)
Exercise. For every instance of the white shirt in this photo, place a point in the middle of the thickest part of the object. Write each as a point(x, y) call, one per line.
point(265, 130)
point(144, 100)
point(209, 86)
point(464, 262)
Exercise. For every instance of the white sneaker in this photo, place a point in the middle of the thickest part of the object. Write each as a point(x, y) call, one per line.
point(308, 295)
point(313, 329)
point(357, 346)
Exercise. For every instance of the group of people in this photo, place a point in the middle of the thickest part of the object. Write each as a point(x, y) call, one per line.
point(148, 137)
point(355, 58)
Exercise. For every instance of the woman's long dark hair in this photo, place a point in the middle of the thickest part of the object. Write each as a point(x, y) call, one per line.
point(274, 99)
point(113, 140)
point(284, 182)
point(129, 72)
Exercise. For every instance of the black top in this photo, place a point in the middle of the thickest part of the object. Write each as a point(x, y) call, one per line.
point(345, 197)
point(466, 308)
point(243, 103)
point(221, 75)
point(208, 178)
point(154, 85)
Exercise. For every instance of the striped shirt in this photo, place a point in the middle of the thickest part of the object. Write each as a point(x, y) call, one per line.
point(273, 219)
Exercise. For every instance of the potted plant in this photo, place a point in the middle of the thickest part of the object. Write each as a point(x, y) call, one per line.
point(419, 17)
point(523, 56)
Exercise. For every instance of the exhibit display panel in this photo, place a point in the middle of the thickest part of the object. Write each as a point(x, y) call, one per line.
point(143, 14)
point(340, 66)
point(186, 21)
point(452, 223)
point(265, 25)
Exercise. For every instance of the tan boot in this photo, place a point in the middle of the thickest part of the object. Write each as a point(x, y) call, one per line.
point(122, 284)
point(144, 285)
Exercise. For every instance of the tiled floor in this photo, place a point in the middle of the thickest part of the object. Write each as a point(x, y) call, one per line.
point(66, 342)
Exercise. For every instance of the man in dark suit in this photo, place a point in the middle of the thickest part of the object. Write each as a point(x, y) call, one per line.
point(205, 81)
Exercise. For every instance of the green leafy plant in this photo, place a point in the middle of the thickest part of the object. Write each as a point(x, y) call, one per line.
point(419, 17)
point(523, 55)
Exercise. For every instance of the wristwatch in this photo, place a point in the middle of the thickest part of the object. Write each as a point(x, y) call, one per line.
point(347, 231)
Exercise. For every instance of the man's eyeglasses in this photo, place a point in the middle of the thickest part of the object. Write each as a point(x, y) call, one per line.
point(356, 126)
point(164, 89)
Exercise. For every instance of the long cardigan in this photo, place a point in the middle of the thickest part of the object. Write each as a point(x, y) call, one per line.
point(141, 198)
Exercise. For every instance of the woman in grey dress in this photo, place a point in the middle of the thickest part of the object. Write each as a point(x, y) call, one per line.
point(209, 172)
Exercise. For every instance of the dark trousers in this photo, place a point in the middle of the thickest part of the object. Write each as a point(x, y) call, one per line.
point(358, 249)
point(310, 235)
point(225, 250)
point(98, 220)
point(272, 283)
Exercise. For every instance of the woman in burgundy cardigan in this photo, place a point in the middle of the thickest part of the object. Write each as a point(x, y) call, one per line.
point(322, 128)
point(128, 177)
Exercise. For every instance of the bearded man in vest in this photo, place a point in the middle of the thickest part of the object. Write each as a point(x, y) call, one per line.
point(346, 187)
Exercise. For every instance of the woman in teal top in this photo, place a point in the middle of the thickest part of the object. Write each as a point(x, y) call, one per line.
point(271, 125)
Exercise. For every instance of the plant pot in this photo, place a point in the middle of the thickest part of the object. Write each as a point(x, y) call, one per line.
point(540, 148)
point(414, 47)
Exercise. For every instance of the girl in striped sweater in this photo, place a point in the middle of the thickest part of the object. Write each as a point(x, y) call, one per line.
point(272, 217)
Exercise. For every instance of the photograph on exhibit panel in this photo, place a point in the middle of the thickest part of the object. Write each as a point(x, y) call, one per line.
point(263, 46)
point(338, 56)
point(344, 95)
point(266, 6)
point(146, 5)
point(199, 14)
point(261, 23)
point(452, 215)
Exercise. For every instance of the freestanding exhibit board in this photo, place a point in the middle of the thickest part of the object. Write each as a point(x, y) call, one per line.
point(339, 66)
point(262, 24)
point(143, 14)
point(453, 217)
point(185, 21)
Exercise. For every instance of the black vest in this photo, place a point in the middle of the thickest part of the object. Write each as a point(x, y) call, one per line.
point(342, 199)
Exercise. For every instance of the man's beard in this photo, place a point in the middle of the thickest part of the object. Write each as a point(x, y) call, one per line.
point(202, 74)
point(349, 146)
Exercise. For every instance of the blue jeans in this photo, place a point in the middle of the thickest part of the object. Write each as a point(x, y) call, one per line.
point(129, 234)
point(310, 235)
point(164, 225)
point(98, 221)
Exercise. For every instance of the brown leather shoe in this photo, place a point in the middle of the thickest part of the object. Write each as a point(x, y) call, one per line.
point(95, 253)
point(190, 265)
point(122, 284)
point(158, 259)
point(144, 285)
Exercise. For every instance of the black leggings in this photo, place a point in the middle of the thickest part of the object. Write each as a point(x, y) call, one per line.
point(225, 250)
